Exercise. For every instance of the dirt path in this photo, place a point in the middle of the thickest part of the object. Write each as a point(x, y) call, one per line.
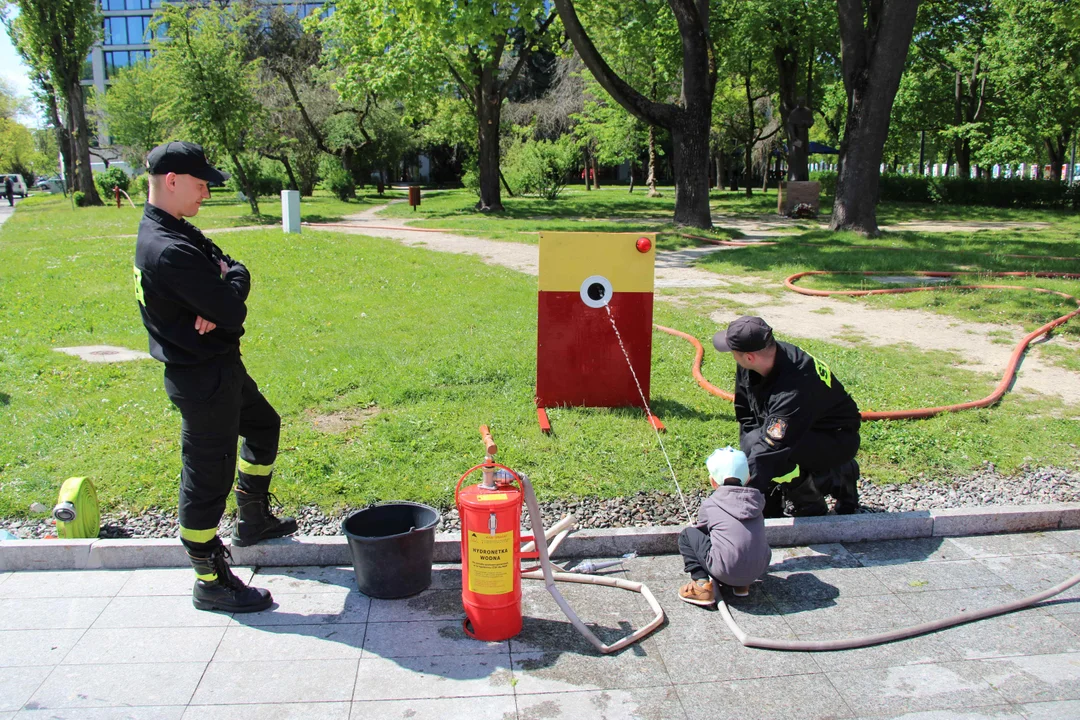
point(791, 314)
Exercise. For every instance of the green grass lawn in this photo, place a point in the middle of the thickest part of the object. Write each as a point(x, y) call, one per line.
point(611, 209)
point(54, 214)
point(429, 346)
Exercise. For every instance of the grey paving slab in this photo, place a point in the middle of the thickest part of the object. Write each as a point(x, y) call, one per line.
point(429, 605)
point(938, 604)
point(50, 613)
point(913, 651)
point(446, 576)
point(425, 638)
point(946, 575)
point(593, 604)
point(159, 612)
point(812, 557)
point(289, 580)
point(1034, 678)
point(4, 576)
point(64, 583)
point(175, 712)
point(983, 546)
point(500, 707)
point(998, 712)
point(1070, 538)
point(660, 703)
point(284, 711)
point(271, 682)
point(20, 648)
point(18, 684)
point(1053, 710)
point(1032, 573)
point(143, 645)
point(902, 552)
point(311, 609)
point(337, 641)
point(821, 583)
point(1019, 633)
point(167, 581)
point(808, 697)
point(912, 688)
point(1069, 620)
point(86, 686)
point(433, 677)
point(875, 612)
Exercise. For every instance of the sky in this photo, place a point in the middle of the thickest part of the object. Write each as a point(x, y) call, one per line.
point(15, 73)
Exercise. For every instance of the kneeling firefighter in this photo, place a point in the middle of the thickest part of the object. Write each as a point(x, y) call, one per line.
point(797, 425)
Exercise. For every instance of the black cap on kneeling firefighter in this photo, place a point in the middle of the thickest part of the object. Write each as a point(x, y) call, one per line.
point(797, 425)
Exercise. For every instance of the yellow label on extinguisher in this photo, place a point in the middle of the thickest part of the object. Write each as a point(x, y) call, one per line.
point(493, 496)
point(491, 563)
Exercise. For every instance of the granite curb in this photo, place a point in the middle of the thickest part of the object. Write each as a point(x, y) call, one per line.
point(334, 550)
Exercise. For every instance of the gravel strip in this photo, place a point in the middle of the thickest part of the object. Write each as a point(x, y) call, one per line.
point(1030, 486)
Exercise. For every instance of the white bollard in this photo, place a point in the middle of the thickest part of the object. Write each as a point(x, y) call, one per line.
point(290, 211)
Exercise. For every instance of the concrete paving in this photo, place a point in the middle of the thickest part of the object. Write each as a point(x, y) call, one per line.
point(128, 644)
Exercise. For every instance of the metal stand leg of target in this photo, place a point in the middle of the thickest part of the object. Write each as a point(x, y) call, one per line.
point(542, 418)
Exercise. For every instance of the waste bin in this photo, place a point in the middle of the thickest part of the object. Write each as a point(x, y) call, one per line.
point(392, 547)
point(414, 196)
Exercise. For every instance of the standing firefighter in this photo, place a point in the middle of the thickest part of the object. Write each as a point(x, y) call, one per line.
point(797, 425)
point(191, 296)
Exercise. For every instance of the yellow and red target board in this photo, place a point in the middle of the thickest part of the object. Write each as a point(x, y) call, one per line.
point(594, 321)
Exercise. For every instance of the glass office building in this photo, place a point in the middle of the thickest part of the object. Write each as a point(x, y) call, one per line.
point(126, 38)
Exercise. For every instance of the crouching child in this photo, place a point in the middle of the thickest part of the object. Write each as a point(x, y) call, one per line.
point(727, 545)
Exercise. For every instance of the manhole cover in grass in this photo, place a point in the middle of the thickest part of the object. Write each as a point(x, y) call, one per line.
point(911, 280)
point(104, 353)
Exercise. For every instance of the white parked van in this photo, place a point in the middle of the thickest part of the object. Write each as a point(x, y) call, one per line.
point(18, 185)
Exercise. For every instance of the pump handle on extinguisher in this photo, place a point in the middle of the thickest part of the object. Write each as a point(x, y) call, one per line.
point(490, 448)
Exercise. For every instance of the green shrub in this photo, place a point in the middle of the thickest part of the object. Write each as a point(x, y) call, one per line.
point(541, 167)
point(80, 198)
point(827, 178)
point(471, 178)
point(106, 180)
point(141, 185)
point(266, 177)
point(339, 181)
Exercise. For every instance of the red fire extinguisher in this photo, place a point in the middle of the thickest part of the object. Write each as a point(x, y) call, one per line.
point(491, 553)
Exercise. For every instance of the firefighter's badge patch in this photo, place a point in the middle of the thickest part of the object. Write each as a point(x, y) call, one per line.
point(777, 429)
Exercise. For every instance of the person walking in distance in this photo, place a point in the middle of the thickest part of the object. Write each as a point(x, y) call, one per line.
point(192, 297)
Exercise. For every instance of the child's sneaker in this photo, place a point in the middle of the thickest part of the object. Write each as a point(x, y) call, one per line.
point(698, 592)
point(740, 591)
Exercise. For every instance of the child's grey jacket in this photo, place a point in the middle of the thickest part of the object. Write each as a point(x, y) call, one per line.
point(740, 553)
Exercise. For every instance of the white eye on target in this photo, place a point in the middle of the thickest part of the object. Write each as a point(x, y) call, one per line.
point(596, 291)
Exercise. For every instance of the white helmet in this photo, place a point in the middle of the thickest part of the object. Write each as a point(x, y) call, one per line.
point(728, 463)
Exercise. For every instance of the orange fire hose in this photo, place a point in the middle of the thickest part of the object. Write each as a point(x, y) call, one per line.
point(1010, 370)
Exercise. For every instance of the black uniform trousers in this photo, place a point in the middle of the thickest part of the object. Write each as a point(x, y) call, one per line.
point(817, 452)
point(219, 403)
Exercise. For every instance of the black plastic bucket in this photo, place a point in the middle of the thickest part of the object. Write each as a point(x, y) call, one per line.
point(392, 547)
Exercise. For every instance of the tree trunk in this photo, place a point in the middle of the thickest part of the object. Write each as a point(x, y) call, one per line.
point(748, 168)
point(873, 56)
point(720, 170)
point(798, 135)
point(63, 134)
point(690, 144)
point(83, 172)
point(688, 120)
point(595, 174)
point(585, 162)
point(293, 185)
point(1056, 148)
point(488, 104)
point(631, 178)
point(651, 180)
point(242, 175)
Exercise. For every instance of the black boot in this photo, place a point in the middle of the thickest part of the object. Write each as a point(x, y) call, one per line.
point(846, 488)
point(802, 498)
point(218, 589)
point(255, 522)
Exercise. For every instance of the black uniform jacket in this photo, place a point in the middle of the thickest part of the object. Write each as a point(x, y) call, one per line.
point(775, 412)
point(178, 278)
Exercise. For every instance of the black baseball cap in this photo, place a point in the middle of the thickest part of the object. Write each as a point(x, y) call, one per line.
point(747, 334)
point(183, 158)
